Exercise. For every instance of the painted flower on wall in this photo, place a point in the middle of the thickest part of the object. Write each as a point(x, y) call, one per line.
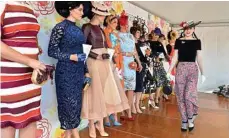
point(59, 133)
point(43, 7)
point(118, 6)
point(162, 23)
point(108, 3)
point(150, 25)
point(43, 128)
point(46, 24)
point(58, 18)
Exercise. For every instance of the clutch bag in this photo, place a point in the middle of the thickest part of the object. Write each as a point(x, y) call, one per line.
point(42, 79)
point(133, 65)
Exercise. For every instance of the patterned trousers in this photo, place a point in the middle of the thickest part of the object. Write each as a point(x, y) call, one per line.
point(186, 89)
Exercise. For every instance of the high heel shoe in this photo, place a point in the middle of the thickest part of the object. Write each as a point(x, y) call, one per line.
point(138, 110)
point(115, 123)
point(184, 126)
point(122, 117)
point(130, 118)
point(103, 134)
point(190, 125)
point(157, 104)
point(165, 98)
point(92, 133)
point(194, 117)
point(127, 118)
point(152, 104)
point(107, 124)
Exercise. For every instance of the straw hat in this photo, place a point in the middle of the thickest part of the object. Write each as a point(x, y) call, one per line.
point(100, 9)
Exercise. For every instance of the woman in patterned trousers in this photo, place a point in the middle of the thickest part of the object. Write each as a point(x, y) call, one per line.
point(187, 51)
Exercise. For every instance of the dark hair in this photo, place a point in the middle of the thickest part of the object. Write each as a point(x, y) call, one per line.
point(69, 5)
point(133, 30)
point(118, 26)
point(150, 36)
point(142, 37)
point(168, 35)
point(162, 36)
point(193, 35)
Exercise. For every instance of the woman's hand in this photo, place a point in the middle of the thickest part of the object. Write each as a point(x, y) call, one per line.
point(87, 75)
point(37, 65)
point(40, 50)
point(140, 67)
point(78, 57)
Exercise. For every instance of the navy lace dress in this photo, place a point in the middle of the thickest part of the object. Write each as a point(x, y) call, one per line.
point(67, 39)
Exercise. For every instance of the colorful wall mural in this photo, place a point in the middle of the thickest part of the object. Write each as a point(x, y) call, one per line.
point(49, 126)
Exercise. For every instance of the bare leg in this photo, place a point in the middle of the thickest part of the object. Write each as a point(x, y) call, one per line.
point(123, 113)
point(165, 97)
point(137, 101)
point(107, 121)
point(130, 95)
point(8, 132)
point(116, 117)
point(29, 131)
point(100, 128)
point(157, 95)
point(133, 103)
point(92, 132)
point(67, 134)
point(75, 133)
point(151, 101)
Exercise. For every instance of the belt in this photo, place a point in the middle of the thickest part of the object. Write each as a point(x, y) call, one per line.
point(128, 54)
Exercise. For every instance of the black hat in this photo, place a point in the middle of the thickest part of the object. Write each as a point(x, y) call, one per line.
point(63, 7)
point(87, 7)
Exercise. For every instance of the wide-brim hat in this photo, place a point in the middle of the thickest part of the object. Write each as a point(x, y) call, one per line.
point(189, 24)
point(63, 7)
point(157, 31)
point(100, 9)
point(87, 7)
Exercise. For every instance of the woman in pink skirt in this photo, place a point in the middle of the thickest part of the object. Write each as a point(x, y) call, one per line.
point(187, 51)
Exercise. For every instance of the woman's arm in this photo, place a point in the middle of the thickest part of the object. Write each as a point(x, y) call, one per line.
point(138, 59)
point(200, 62)
point(54, 50)
point(13, 55)
point(174, 61)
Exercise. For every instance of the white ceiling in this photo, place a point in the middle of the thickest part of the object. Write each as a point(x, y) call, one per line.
point(176, 11)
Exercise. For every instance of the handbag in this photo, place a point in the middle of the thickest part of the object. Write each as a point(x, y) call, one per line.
point(87, 83)
point(42, 79)
point(167, 89)
point(133, 65)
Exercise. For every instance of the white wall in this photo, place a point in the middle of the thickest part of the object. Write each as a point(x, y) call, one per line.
point(135, 11)
point(215, 45)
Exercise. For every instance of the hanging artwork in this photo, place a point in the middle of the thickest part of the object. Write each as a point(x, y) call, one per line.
point(43, 7)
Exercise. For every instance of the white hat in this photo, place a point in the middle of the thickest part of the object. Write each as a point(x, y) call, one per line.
point(100, 9)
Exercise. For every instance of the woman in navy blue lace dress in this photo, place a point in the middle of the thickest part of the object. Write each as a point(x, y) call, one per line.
point(66, 46)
